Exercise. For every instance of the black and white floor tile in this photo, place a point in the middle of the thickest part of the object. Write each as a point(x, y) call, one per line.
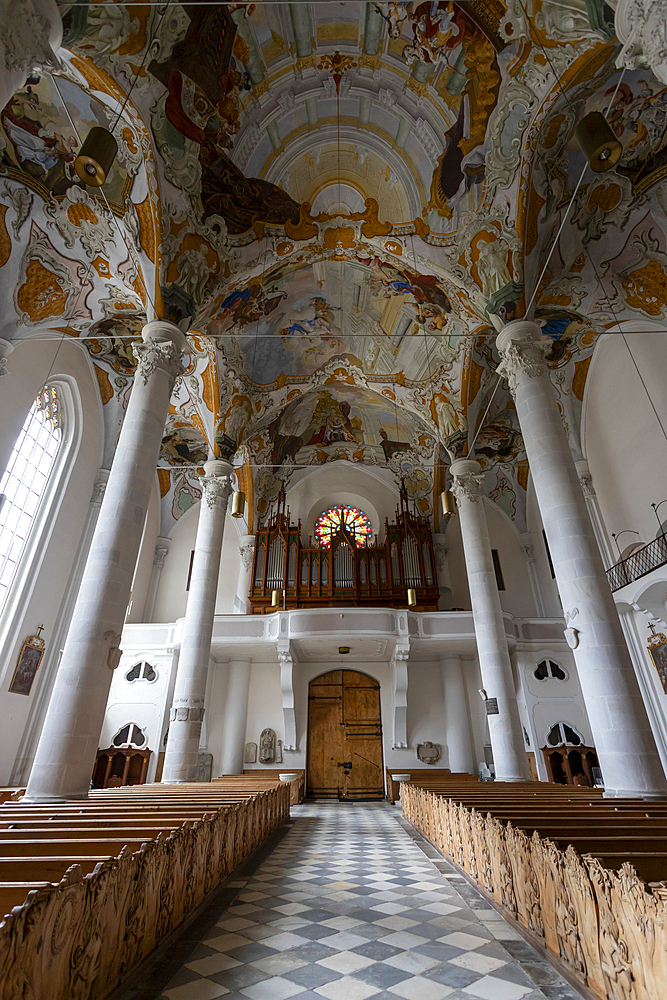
point(352, 904)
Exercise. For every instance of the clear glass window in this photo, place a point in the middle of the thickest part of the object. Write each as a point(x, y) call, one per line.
point(24, 482)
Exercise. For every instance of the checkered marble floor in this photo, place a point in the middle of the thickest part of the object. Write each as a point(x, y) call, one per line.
point(353, 904)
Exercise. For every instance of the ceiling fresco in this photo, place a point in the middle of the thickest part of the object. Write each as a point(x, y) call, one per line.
point(342, 203)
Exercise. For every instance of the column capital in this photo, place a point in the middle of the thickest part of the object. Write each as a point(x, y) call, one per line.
point(468, 478)
point(247, 551)
point(32, 40)
point(522, 350)
point(163, 346)
point(641, 26)
point(216, 481)
point(161, 548)
point(585, 478)
point(6, 348)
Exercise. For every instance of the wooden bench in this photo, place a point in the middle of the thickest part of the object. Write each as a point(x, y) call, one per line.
point(429, 774)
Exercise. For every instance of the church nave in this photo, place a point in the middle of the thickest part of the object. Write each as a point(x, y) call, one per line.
point(349, 904)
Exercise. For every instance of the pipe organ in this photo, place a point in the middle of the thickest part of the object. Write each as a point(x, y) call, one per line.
point(344, 573)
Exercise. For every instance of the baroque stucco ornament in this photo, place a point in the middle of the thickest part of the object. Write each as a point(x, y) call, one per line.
point(153, 355)
point(468, 486)
point(641, 25)
point(216, 488)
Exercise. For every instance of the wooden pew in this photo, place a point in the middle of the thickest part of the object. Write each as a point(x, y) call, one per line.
point(437, 774)
point(131, 863)
point(568, 865)
point(298, 793)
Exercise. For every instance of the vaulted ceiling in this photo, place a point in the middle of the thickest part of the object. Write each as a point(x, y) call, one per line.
point(342, 202)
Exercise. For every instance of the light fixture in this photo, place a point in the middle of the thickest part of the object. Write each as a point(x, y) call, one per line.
point(238, 503)
point(343, 649)
point(96, 156)
point(598, 142)
point(412, 597)
point(448, 503)
point(275, 598)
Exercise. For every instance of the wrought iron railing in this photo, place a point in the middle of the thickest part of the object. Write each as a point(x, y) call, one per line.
point(639, 563)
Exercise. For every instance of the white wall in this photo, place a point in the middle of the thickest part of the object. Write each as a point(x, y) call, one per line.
point(622, 440)
point(172, 596)
point(30, 363)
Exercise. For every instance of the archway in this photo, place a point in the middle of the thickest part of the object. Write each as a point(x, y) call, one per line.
point(345, 736)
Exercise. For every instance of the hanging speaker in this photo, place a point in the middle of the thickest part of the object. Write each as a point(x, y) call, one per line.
point(598, 142)
point(412, 597)
point(275, 598)
point(448, 503)
point(96, 156)
point(238, 504)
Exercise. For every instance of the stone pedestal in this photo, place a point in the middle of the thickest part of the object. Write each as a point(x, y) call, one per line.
point(69, 741)
point(494, 661)
point(187, 712)
point(247, 552)
point(457, 722)
point(234, 720)
point(623, 740)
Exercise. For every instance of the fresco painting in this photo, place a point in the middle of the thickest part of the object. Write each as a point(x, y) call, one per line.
point(42, 143)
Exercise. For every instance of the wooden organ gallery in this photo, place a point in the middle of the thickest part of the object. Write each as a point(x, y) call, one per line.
point(343, 572)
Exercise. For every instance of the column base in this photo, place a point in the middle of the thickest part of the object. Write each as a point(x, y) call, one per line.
point(631, 793)
point(45, 799)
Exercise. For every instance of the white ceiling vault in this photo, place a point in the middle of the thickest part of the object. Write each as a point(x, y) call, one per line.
point(342, 202)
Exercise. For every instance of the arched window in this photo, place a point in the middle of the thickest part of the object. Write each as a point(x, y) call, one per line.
point(141, 671)
point(129, 735)
point(563, 733)
point(330, 522)
point(25, 480)
point(549, 668)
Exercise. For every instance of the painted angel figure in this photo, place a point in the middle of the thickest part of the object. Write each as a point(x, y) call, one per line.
point(395, 14)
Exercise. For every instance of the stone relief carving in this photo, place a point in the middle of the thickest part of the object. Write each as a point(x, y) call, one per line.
point(250, 753)
point(641, 25)
point(429, 753)
point(204, 766)
point(267, 746)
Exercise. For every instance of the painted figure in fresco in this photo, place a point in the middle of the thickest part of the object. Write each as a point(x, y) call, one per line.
point(498, 439)
point(247, 305)
point(184, 446)
point(391, 447)
point(204, 75)
point(332, 421)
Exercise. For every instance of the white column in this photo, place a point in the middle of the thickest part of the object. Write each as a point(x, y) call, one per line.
point(594, 512)
point(161, 549)
point(457, 721)
point(623, 740)
point(509, 756)
point(30, 38)
point(236, 713)
point(49, 668)
point(187, 710)
point(69, 741)
point(246, 550)
point(529, 554)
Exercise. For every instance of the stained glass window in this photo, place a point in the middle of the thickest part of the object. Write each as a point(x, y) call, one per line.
point(25, 479)
point(331, 520)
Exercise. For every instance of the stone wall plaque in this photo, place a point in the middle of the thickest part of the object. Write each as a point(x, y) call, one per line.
point(250, 753)
point(204, 766)
point(267, 746)
point(429, 753)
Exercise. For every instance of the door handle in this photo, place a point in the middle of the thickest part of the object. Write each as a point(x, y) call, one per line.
point(346, 763)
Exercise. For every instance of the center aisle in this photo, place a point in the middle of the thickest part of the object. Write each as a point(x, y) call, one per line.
point(348, 906)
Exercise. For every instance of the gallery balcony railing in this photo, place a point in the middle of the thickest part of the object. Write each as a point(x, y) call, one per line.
point(639, 563)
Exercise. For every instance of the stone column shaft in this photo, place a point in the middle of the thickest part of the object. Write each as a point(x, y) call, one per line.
point(236, 713)
point(187, 712)
point(509, 756)
point(69, 741)
point(161, 549)
point(459, 743)
point(623, 740)
point(246, 550)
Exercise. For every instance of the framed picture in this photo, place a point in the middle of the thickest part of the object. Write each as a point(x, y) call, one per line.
point(29, 660)
point(657, 647)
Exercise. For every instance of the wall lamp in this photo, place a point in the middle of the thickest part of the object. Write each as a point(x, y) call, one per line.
point(617, 536)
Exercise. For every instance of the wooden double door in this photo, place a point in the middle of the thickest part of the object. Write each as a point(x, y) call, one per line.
point(345, 737)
